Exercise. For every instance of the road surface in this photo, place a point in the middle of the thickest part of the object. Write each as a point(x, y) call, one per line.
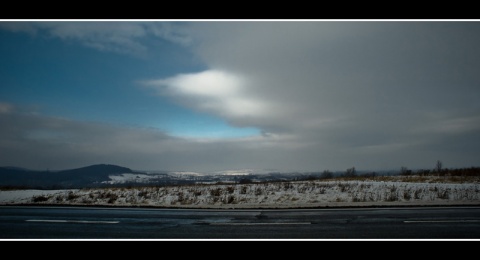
point(135, 223)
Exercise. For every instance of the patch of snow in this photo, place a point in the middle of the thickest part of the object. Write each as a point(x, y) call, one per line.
point(189, 173)
point(241, 172)
point(295, 194)
point(25, 196)
point(132, 177)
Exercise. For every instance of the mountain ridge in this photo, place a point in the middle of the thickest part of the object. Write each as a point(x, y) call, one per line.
point(81, 177)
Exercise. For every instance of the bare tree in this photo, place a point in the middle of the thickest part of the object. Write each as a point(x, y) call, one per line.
point(351, 172)
point(326, 174)
point(438, 166)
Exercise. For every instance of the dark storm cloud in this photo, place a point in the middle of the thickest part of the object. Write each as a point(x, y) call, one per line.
point(367, 92)
point(37, 141)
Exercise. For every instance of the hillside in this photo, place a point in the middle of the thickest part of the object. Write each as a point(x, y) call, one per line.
point(73, 178)
point(391, 191)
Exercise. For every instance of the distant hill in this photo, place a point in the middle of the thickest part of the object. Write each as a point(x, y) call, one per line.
point(106, 175)
point(89, 176)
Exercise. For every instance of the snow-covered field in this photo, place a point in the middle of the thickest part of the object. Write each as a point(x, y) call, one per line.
point(298, 194)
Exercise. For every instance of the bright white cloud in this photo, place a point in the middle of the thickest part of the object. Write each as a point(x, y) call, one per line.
point(214, 84)
point(219, 92)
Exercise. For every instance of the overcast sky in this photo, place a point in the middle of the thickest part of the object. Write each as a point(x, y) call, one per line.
point(220, 95)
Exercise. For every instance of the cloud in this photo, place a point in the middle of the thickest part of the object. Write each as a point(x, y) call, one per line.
point(218, 92)
point(38, 141)
point(347, 92)
point(326, 95)
point(113, 36)
point(174, 32)
point(5, 108)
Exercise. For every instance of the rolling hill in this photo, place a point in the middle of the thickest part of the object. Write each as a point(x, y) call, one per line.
point(73, 178)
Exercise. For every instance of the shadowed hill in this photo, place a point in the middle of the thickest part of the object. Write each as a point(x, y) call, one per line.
point(96, 170)
point(74, 178)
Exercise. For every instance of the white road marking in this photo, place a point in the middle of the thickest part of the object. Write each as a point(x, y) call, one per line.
point(257, 224)
point(441, 221)
point(72, 221)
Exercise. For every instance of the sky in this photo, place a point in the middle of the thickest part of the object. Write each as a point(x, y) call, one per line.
point(207, 96)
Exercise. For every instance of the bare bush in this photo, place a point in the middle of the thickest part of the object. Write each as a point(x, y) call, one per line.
point(416, 194)
point(230, 189)
point(393, 196)
point(393, 189)
point(343, 187)
point(443, 195)
point(72, 196)
point(358, 198)
point(216, 192)
point(40, 198)
point(112, 197)
point(231, 199)
point(243, 190)
point(143, 194)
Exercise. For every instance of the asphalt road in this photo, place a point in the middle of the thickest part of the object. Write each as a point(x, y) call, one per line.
point(134, 223)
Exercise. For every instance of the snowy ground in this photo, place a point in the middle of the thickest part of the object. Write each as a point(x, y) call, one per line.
point(300, 194)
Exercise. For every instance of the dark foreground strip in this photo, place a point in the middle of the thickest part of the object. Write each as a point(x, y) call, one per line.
point(257, 224)
point(441, 221)
point(72, 221)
